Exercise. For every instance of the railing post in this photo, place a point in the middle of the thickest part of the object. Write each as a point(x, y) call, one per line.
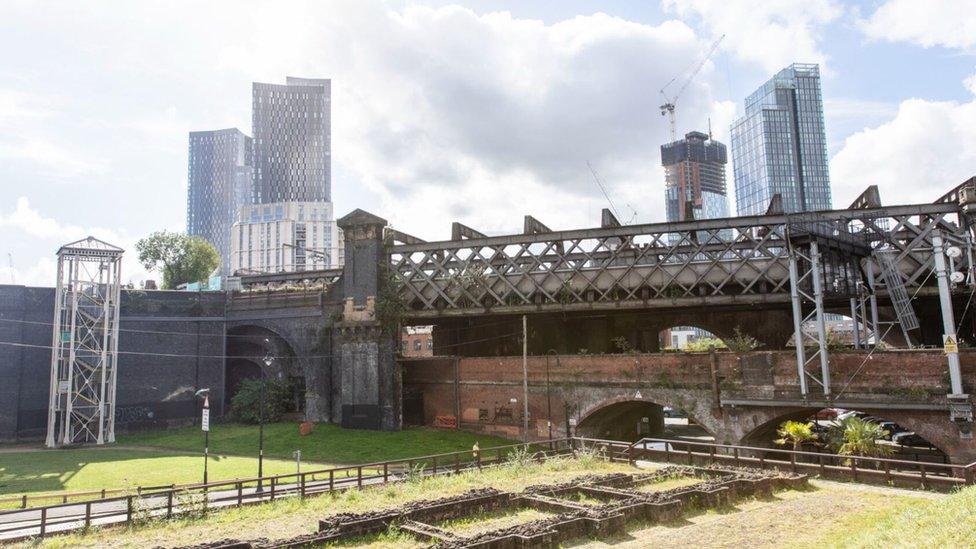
point(273, 488)
point(43, 521)
point(359, 477)
point(887, 469)
point(823, 469)
point(386, 472)
point(301, 479)
point(967, 474)
point(103, 493)
point(240, 493)
point(87, 514)
point(793, 461)
point(128, 509)
point(477, 459)
point(331, 479)
point(667, 452)
point(854, 468)
point(923, 476)
point(169, 504)
point(23, 504)
point(735, 454)
point(435, 465)
point(711, 453)
point(457, 463)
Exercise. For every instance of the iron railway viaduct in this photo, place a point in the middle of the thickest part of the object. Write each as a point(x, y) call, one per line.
point(593, 302)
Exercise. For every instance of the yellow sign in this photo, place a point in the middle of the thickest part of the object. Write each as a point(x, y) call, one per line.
point(949, 344)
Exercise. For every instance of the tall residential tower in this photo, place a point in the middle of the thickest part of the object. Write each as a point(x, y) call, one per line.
point(219, 183)
point(694, 172)
point(292, 125)
point(780, 146)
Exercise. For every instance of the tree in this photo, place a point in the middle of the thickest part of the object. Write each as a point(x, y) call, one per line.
point(180, 257)
point(853, 436)
point(795, 433)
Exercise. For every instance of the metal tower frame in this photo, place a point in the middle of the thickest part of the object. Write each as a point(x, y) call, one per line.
point(84, 346)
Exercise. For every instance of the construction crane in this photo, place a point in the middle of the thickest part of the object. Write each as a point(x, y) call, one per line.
point(670, 102)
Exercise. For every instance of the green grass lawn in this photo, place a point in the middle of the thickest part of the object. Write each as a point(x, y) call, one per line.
point(327, 443)
point(175, 456)
point(96, 468)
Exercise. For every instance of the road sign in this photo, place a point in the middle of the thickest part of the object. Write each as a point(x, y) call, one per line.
point(638, 395)
point(205, 420)
point(949, 344)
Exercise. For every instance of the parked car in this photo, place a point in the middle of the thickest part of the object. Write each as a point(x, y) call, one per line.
point(671, 412)
point(828, 413)
point(892, 429)
point(909, 438)
point(851, 413)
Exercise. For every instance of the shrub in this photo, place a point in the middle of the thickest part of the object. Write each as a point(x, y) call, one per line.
point(245, 406)
point(742, 343)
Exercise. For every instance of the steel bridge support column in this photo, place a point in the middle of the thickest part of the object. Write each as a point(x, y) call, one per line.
point(798, 325)
point(821, 327)
point(855, 324)
point(948, 322)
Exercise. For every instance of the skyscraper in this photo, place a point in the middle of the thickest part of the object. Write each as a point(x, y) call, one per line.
point(292, 125)
point(780, 146)
point(694, 172)
point(219, 183)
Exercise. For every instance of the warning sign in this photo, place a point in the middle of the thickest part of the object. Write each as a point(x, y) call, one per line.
point(949, 344)
point(205, 420)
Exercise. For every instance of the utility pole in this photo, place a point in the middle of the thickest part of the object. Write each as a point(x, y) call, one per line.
point(525, 378)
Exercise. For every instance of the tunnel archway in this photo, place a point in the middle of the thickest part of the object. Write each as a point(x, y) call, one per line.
point(927, 434)
point(689, 337)
point(247, 347)
point(633, 419)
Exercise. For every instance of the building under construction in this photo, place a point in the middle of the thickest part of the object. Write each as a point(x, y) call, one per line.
point(694, 172)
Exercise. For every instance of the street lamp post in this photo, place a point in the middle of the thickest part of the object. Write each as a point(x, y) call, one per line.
point(205, 426)
point(268, 361)
point(549, 353)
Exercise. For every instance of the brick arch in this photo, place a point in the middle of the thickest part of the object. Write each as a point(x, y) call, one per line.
point(933, 427)
point(680, 399)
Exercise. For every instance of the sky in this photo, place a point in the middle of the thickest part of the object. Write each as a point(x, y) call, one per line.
point(471, 111)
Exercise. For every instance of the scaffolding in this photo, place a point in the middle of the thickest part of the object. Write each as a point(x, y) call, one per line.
point(84, 346)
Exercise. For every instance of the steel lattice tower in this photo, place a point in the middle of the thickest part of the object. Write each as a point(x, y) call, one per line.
point(84, 346)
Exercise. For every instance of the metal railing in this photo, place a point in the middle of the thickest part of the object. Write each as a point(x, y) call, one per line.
point(866, 469)
point(167, 502)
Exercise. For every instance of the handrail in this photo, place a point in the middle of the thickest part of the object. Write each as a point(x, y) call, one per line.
point(805, 453)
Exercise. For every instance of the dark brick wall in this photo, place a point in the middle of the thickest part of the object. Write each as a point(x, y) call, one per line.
point(156, 381)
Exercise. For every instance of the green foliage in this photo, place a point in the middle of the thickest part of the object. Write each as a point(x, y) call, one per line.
point(705, 344)
point(389, 306)
point(853, 436)
point(742, 343)
point(181, 258)
point(795, 433)
point(519, 457)
point(623, 344)
point(246, 404)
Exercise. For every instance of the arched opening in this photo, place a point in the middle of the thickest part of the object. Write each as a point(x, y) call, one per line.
point(632, 420)
point(688, 338)
point(249, 349)
point(902, 433)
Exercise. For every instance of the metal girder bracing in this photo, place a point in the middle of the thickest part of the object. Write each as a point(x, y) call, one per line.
point(459, 231)
point(84, 348)
point(870, 198)
point(736, 260)
point(806, 287)
point(402, 237)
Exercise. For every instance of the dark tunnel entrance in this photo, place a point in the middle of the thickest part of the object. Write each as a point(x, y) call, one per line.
point(628, 421)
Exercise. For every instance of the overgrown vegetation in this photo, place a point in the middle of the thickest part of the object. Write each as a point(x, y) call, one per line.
point(741, 343)
point(705, 344)
point(255, 394)
point(795, 433)
point(853, 436)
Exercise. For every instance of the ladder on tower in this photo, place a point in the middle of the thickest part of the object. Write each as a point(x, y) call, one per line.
point(896, 290)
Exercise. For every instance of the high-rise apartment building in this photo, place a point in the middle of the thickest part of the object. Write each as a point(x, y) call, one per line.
point(219, 183)
point(286, 237)
point(694, 173)
point(780, 146)
point(292, 126)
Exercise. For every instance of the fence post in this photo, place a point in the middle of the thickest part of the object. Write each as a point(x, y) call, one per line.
point(667, 452)
point(923, 476)
point(854, 468)
point(823, 469)
point(331, 479)
point(43, 521)
point(887, 472)
point(793, 461)
point(967, 474)
point(240, 493)
point(169, 504)
point(103, 493)
point(87, 514)
point(273, 488)
point(477, 458)
point(128, 508)
point(301, 478)
point(23, 504)
point(457, 463)
point(386, 472)
point(359, 477)
point(735, 454)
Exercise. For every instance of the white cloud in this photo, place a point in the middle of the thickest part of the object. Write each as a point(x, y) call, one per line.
point(30, 228)
point(771, 33)
point(970, 83)
point(948, 23)
point(926, 149)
